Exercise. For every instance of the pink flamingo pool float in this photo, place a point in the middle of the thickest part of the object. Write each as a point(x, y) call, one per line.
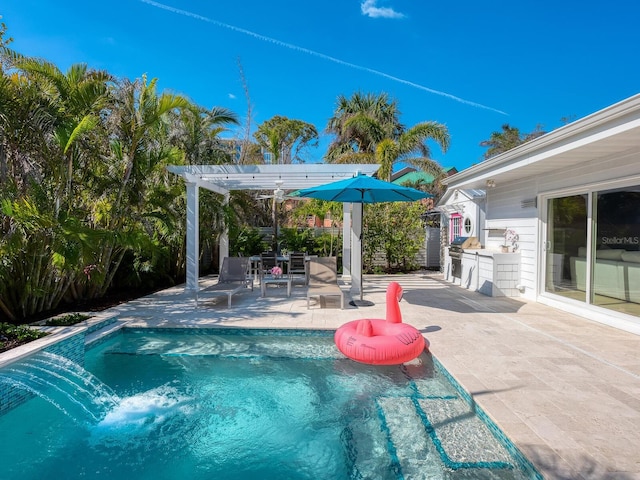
point(381, 342)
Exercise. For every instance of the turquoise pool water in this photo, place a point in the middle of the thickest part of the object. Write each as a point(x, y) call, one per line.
point(242, 405)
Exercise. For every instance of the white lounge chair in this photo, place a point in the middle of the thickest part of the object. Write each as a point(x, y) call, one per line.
point(323, 279)
point(234, 277)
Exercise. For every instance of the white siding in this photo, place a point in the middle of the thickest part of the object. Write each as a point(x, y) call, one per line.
point(504, 206)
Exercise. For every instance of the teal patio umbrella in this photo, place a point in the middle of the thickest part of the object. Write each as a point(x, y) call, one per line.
point(363, 189)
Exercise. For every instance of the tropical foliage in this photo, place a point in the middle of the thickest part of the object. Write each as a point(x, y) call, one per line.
point(88, 207)
point(86, 203)
point(367, 129)
point(286, 139)
point(510, 137)
point(12, 336)
point(395, 229)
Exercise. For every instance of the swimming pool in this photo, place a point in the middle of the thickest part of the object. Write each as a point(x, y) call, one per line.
point(244, 404)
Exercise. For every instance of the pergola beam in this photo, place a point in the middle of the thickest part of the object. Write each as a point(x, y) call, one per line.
point(223, 179)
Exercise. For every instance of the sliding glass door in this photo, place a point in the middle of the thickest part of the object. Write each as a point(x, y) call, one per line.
point(566, 239)
point(616, 259)
point(592, 248)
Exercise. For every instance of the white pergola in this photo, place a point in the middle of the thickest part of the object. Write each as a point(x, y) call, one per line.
point(223, 179)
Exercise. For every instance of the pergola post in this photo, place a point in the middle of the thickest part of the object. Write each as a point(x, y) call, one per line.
point(346, 241)
point(225, 178)
point(223, 250)
point(193, 240)
point(356, 249)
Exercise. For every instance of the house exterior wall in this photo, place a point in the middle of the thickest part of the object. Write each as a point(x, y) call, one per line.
point(586, 176)
point(505, 210)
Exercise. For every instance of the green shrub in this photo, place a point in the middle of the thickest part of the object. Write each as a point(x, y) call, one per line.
point(245, 242)
point(396, 230)
point(14, 335)
point(327, 245)
point(297, 239)
point(66, 320)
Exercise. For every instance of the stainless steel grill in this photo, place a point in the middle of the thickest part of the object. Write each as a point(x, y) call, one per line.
point(458, 244)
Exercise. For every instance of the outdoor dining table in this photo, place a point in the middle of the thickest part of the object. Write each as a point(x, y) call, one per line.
point(280, 259)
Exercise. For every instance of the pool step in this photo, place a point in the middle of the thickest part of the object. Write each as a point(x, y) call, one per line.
point(463, 440)
point(409, 445)
point(450, 432)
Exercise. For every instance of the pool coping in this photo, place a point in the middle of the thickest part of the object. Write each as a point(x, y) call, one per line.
point(57, 334)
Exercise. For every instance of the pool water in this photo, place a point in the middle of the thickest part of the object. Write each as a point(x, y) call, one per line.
point(243, 405)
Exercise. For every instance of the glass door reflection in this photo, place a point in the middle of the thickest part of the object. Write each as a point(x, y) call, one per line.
point(566, 246)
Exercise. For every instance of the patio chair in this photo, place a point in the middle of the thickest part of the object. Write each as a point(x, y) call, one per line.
point(323, 280)
point(268, 260)
point(234, 277)
point(298, 266)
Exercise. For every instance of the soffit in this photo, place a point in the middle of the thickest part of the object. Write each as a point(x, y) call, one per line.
point(609, 133)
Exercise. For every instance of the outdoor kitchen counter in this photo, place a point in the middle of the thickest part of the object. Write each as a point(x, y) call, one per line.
point(485, 252)
point(490, 272)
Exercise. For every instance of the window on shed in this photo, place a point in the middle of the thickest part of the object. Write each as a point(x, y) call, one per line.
point(468, 226)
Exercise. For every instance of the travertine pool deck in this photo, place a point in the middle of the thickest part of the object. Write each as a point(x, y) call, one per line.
point(564, 389)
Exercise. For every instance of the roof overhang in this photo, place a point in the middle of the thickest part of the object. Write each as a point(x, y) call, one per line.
point(225, 178)
point(468, 194)
point(607, 133)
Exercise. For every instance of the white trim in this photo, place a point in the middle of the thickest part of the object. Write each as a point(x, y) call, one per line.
point(594, 186)
point(347, 251)
point(628, 323)
point(592, 128)
point(586, 309)
point(225, 178)
point(193, 238)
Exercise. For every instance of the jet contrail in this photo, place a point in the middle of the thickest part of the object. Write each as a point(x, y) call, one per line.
point(316, 54)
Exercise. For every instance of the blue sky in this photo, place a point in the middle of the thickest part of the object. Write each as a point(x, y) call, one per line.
point(471, 65)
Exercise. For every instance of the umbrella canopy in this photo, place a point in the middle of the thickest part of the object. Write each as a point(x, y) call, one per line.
point(363, 189)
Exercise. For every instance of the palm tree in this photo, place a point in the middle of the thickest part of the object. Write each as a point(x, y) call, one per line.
point(137, 124)
point(47, 115)
point(285, 138)
point(510, 137)
point(25, 123)
point(368, 129)
point(196, 131)
point(83, 183)
point(410, 147)
point(75, 100)
point(133, 187)
point(359, 123)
